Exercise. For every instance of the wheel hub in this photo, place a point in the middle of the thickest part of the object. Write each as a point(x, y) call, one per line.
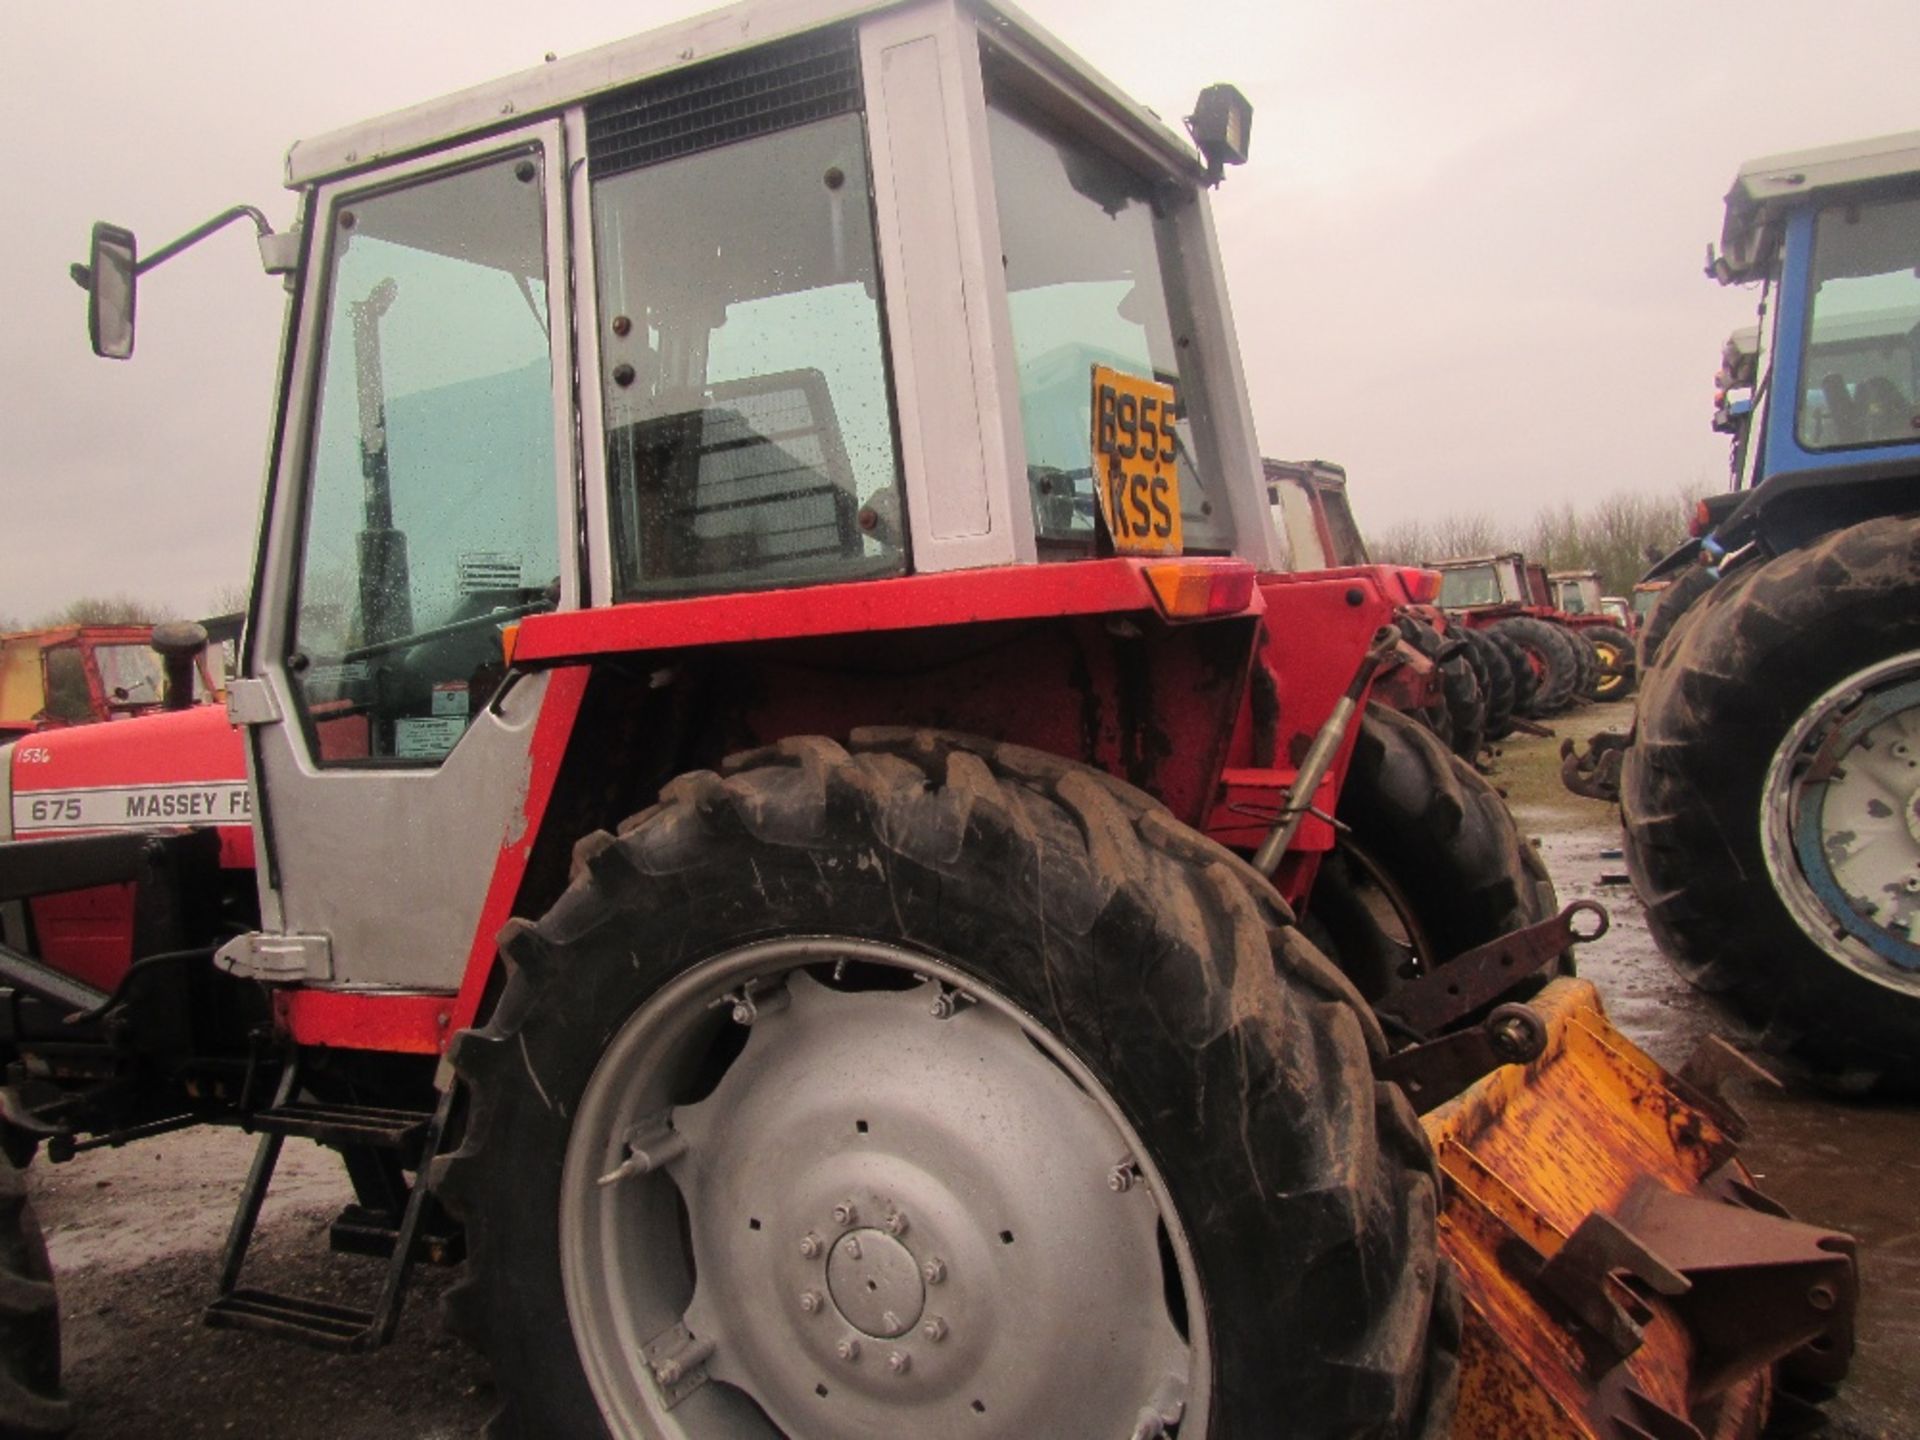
point(875, 1283)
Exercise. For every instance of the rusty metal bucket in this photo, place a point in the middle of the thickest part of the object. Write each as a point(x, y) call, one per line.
point(1623, 1279)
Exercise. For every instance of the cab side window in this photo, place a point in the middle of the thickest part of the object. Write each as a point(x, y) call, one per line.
point(431, 515)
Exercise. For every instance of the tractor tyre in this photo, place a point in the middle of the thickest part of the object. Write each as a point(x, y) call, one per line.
point(840, 1089)
point(1772, 801)
point(1615, 649)
point(1586, 660)
point(1525, 682)
point(1549, 655)
point(1466, 704)
point(1429, 864)
point(1460, 717)
point(1498, 682)
point(1470, 730)
point(1668, 611)
point(31, 1404)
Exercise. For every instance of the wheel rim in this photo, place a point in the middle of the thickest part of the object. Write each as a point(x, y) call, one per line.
point(904, 1208)
point(1613, 670)
point(1841, 822)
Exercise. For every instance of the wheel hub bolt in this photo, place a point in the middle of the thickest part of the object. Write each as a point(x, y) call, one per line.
point(848, 1350)
point(890, 1322)
point(935, 1270)
point(1120, 1179)
point(852, 1247)
point(846, 1213)
point(810, 1302)
point(899, 1362)
point(935, 1329)
point(810, 1245)
point(896, 1224)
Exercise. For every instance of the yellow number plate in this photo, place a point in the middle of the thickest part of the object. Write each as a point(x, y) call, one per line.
point(1134, 467)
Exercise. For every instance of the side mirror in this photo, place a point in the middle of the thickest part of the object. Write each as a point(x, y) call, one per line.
point(111, 268)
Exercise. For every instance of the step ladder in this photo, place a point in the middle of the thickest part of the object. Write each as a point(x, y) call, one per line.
point(412, 1138)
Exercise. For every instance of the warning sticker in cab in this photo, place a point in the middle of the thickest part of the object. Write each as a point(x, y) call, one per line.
point(213, 802)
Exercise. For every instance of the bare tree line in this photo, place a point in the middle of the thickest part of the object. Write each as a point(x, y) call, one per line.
point(1617, 535)
point(121, 608)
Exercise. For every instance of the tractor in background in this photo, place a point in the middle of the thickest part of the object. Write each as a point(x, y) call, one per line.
point(1769, 792)
point(1509, 601)
point(1456, 686)
point(782, 809)
point(1575, 598)
point(80, 674)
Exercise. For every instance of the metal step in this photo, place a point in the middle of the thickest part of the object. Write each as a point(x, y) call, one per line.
point(355, 1128)
point(293, 1317)
point(346, 1124)
point(358, 1230)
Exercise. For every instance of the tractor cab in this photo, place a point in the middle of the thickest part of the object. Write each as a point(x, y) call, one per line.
point(1577, 592)
point(1472, 583)
point(1832, 375)
point(1311, 514)
point(788, 308)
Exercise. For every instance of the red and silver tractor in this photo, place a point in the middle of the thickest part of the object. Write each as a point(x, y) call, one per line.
point(781, 803)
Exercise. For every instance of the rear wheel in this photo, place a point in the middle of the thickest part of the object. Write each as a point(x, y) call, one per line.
point(31, 1404)
point(1526, 683)
point(1615, 649)
point(1772, 800)
point(1549, 654)
point(1465, 728)
point(1586, 661)
point(1669, 609)
point(838, 1095)
point(1430, 865)
point(1498, 683)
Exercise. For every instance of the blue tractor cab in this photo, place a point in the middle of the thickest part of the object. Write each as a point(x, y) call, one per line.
point(1832, 239)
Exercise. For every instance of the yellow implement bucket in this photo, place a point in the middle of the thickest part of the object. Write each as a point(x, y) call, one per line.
point(1623, 1279)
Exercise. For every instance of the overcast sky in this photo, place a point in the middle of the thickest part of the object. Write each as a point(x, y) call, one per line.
point(1465, 259)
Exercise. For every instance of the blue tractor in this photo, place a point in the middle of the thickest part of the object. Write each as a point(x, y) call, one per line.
point(1772, 790)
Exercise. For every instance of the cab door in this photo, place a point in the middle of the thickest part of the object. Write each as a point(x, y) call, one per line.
point(421, 505)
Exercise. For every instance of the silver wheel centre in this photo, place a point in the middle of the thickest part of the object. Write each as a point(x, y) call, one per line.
point(1841, 822)
point(901, 1210)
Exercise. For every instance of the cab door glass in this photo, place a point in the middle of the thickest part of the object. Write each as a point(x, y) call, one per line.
point(431, 512)
point(1091, 255)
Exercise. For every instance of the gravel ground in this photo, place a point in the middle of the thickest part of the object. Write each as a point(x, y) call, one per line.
point(135, 1234)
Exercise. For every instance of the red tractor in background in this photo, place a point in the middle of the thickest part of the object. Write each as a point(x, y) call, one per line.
point(1438, 675)
point(78, 674)
point(1554, 662)
point(782, 808)
point(1603, 620)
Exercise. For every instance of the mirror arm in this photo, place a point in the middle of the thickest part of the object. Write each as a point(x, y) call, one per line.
point(200, 232)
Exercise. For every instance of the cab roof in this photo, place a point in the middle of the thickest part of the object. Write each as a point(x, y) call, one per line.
point(545, 89)
point(1766, 188)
